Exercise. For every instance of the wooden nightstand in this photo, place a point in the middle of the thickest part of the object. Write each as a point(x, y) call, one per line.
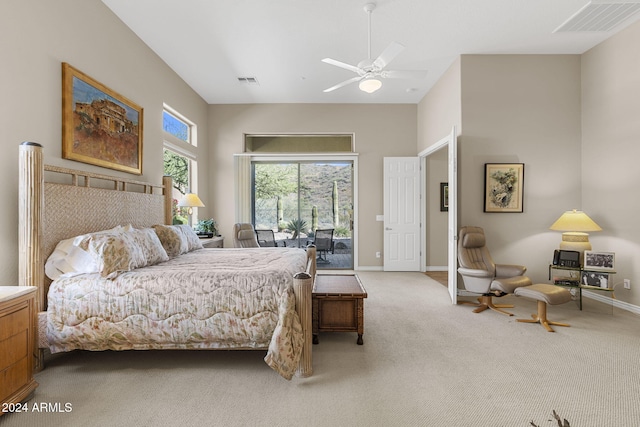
point(213, 242)
point(17, 343)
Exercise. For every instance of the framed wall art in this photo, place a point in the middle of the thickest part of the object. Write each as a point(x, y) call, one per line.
point(444, 197)
point(599, 260)
point(99, 126)
point(503, 187)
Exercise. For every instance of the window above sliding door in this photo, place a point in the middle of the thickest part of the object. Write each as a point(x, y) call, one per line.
point(299, 143)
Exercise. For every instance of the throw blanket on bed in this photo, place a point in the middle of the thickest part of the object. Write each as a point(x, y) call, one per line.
point(208, 298)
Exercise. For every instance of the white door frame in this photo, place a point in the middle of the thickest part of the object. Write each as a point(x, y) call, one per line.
point(450, 141)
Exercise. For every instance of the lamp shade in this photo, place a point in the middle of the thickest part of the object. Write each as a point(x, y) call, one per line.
point(575, 225)
point(370, 85)
point(190, 200)
point(575, 221)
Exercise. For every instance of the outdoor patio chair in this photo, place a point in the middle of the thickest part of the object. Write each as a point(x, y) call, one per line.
point(267, 238)
point(323, 241)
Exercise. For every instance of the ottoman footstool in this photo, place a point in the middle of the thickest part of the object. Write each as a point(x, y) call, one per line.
point(544, 294)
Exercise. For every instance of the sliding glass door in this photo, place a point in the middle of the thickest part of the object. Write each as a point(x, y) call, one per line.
point(297, 198)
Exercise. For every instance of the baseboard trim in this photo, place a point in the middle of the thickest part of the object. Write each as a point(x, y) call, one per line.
point(615, 302)
point(369, 268)
point(436, 268)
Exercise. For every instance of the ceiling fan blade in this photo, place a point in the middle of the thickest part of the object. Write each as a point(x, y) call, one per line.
point(342, 65)
point(344, 83)
point(388, 54)
point(403, 74)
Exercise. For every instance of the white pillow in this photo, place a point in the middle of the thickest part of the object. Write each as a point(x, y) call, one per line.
point(57, 264)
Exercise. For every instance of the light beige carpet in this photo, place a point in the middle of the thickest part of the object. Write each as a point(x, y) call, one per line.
point(424, 362)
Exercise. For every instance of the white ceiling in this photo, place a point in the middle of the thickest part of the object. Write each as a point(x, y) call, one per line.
point(210, 43)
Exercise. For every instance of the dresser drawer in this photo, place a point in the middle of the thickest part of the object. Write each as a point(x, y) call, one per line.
point(14, 377)
point(17, 343)
point(14, 348)
point(16, 320)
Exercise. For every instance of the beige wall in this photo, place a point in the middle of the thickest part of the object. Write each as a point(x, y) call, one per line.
point(610, 152)
point(36, 36)
point(521, 109)
point(438, 112)
point(578, 139)
point(441, 108)
point(380, 131)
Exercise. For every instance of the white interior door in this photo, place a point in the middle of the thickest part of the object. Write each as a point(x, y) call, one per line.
point(401, 214)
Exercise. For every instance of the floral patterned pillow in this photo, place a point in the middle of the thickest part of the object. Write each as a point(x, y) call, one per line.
point(173, 241)
point(177, 239)
point(114, 253)
point(150, 244)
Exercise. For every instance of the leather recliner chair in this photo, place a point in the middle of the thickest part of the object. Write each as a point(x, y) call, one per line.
point(481, 275)
point(244, 236)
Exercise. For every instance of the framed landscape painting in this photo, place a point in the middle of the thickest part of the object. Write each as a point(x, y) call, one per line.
point(99, 126)
point(503, 187)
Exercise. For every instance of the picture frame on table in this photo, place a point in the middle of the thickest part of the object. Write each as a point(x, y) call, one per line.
point(99, 126)
point(599, 260)
point(598, 279)
point(504, 187)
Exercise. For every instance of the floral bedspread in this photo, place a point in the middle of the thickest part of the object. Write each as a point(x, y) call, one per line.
point(208, 298)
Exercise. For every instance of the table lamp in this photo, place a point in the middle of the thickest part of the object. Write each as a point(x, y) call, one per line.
point(190, 201)
point(575, 225)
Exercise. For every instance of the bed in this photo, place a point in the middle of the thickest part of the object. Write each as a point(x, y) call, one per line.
point(191, 298)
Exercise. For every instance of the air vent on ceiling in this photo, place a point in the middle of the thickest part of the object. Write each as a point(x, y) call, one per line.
point(248, 80)
point(600, 15)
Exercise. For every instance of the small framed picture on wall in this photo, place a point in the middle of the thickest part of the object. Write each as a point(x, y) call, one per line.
point(444, 197)
point(503, 187)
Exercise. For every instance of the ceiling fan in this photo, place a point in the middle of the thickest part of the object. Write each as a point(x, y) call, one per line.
point(369, 71)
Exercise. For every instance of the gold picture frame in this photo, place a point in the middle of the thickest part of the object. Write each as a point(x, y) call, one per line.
point(503, 187)
point(99, 126)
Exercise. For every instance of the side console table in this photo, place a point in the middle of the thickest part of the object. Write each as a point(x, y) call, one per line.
point(580, 279)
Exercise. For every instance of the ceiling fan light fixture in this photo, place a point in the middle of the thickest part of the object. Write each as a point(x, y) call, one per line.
point(370, 71)
point(370, 85)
